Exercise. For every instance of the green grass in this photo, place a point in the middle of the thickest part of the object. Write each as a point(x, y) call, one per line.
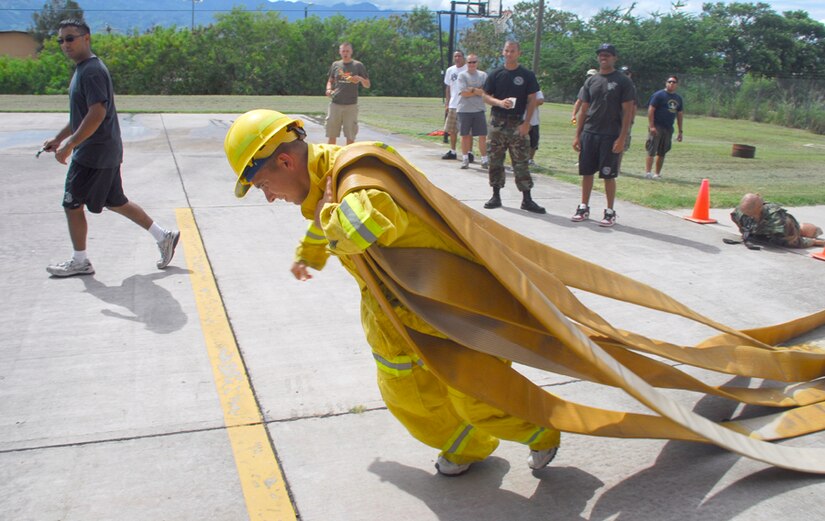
point(788, 167)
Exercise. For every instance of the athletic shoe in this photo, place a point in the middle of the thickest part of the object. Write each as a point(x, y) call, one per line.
point(465, 163)
point(449, 155)
point(472, 157)
point(656, 176)
point(609, 218)
point(167, 248)
point(446, 467)
point(582, 213)
point(539, 459)
point(485, 162)
point(649, 175)
point(70, 268)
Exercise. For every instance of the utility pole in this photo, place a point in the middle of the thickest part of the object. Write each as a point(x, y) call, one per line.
point(537, 46)
point(451, 41)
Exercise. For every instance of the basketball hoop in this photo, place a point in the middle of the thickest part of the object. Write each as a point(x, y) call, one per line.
point(500, 23)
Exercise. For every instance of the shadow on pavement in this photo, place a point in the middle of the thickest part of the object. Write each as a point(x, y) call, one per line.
point(684, 483)
point(148, 302)
point(561, 492)
point(565, 222)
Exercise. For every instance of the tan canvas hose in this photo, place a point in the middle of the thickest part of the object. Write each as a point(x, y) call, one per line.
point(525, 312)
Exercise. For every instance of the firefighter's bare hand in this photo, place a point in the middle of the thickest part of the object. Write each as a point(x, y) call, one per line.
point(299, 271)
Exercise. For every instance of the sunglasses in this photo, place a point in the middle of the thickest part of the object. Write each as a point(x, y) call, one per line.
point(671, 81)
point(69, 39)
point(473, 62)
point(252, 168)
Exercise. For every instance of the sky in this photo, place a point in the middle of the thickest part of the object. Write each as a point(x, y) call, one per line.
point(815, 8)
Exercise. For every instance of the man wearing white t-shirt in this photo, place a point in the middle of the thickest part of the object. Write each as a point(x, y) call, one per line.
point(452, 94)
point(534, 127)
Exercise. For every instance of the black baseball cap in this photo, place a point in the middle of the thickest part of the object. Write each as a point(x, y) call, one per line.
point(606, 47)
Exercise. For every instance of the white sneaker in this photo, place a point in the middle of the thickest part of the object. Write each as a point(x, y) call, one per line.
point(167, 248)
point(539, 459)
point(465, 163)
point(582, 213)
point(446, 467)
point(656, 176)
point(485, 162)
point(70, 268)
point(609, 218)
point(649, 175)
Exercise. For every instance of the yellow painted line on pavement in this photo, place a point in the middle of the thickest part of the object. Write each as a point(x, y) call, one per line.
point(260, 475)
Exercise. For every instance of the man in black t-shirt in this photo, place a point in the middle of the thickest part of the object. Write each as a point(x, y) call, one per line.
point(92, 140)
point(608, 100)
point(510, 125)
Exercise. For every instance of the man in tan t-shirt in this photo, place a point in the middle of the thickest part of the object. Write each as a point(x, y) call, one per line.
point(345, 76)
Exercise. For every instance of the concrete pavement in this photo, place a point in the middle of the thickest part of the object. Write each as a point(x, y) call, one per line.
point(121, 396)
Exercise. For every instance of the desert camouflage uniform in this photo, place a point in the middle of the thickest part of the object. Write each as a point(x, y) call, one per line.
point(504, 136)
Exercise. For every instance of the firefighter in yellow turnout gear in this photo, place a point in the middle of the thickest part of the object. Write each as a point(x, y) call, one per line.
point(266, 150)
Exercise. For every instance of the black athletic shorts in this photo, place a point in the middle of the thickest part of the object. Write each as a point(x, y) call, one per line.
point(93, 187)
point(597, 156)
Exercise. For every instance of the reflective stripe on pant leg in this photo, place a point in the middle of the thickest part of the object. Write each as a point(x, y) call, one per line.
point(419, 401)
point(543, 439)
point(496, 423)
point(457, 441)
point(414, 395)
point(398, 366)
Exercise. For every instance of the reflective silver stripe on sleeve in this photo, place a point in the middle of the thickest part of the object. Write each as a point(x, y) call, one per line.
point(356, 222)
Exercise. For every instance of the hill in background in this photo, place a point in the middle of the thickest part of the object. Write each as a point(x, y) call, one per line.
point(125, 15)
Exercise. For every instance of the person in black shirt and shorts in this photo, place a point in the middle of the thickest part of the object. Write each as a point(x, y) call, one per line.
point(608, 101)
point(92, 140)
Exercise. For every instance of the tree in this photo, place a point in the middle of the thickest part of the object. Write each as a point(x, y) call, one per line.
point(46, 21)
point(755, 39)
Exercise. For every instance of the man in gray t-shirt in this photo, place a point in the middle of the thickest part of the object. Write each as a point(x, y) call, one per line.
point(345, 76)
point(470, 111)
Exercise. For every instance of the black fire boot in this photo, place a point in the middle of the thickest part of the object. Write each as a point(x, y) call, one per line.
point(495, 201)
point(527, 203)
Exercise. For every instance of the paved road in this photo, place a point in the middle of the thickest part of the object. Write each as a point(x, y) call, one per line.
point(223, 389)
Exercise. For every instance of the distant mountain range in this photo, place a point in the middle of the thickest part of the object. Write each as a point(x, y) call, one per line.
point(126, 15)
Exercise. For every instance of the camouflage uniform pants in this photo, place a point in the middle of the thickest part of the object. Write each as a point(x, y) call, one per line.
point(504, 136)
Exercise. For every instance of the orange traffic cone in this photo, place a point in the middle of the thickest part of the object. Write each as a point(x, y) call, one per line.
point(820, 255)
point(701, 210)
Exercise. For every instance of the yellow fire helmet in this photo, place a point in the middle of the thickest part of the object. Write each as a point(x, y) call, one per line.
point(253, 137)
